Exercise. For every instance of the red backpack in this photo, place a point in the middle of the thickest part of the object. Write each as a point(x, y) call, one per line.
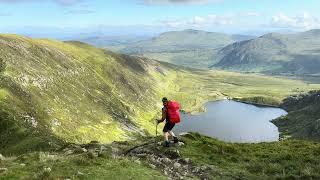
point(173, 111)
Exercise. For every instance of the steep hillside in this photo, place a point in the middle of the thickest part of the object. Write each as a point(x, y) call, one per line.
point(296, 54)
point(74, 91)
point(191, 48)
point(303, 120)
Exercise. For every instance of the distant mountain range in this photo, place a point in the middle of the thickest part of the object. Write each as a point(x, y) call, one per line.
point(274, 53)
point(192, 48)
point(183, 40)
point(103, 41)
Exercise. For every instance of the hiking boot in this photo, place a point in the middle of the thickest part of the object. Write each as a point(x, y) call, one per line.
point(175, 140)
point(166, 144)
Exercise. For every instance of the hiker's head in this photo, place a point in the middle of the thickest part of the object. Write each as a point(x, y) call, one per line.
point(165, 101)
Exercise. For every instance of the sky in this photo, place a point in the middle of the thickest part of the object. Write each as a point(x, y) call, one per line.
point(63, 18)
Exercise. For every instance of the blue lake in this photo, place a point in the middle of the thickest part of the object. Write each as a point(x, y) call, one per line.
point(233, 122)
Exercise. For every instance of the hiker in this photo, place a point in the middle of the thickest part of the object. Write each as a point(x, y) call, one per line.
point(170, 123)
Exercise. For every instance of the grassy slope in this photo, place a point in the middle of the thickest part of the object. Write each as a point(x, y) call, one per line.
point(74, 91)
point(79, 93)
point(288, 159)
point(78, 166)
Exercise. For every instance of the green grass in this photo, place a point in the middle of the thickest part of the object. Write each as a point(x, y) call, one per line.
point(75, 167)
point(288, 159)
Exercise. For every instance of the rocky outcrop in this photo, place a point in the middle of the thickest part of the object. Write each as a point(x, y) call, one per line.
point(167, 160)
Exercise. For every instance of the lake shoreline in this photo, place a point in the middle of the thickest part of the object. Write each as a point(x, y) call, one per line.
point(256, 104)
point(232, 99)
point(226, 113)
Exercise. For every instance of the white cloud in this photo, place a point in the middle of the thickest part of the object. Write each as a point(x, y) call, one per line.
point(209, 20)
point(173, 23)
point(303, 21)
point(198, 21)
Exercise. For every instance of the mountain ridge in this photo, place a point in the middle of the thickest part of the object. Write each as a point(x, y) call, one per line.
point(274, 53)
point(190, 47)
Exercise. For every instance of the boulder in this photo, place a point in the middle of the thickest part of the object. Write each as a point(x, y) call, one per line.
point(153, 166)
point(2, 158)
point(177, 165)
point(166, 160)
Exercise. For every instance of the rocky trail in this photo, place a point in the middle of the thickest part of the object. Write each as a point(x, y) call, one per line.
point(167, 160)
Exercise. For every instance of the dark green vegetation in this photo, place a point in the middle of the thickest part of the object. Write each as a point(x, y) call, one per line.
point(291, 54)
point(303, 120)
point(191, 48)
point(287, 159)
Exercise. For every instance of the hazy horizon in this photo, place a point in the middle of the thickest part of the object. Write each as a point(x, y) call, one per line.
point(63, 19)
